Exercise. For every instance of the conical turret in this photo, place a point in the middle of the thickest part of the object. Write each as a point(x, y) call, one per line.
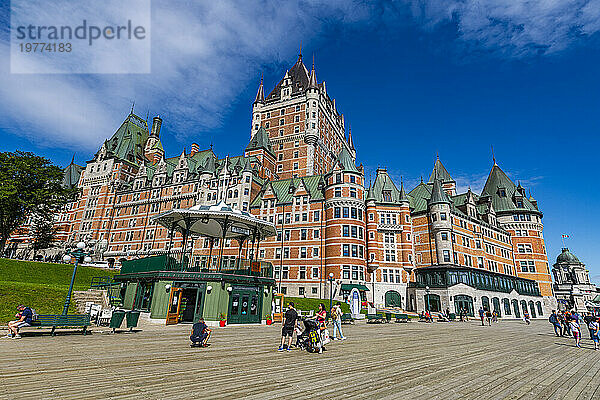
point(260, 95)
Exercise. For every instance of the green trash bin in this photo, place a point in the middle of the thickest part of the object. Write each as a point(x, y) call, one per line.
point(116, 320)
point(132, 319)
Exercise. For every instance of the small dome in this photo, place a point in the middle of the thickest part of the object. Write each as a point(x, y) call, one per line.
point(567, 257)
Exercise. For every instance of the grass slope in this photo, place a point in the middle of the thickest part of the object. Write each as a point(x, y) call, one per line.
point(312, 304)
point(42, 286)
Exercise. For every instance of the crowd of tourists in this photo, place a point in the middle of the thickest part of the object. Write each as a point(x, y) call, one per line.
point(571, 323)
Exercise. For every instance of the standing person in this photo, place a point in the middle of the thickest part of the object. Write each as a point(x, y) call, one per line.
point(200, 334)
point(553, 319)
point(289, 325)
point(481, 315)
point(488, 316)
point(587, 318)
point(576, 329)
point(321, 316)
point(594, 326)
point(336, 317)
point(566, 327)
point(526, 317)
point(461, 314)
point(495, 316)
point(24, 317)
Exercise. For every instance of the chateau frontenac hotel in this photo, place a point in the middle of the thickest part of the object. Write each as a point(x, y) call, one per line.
point(426, 247)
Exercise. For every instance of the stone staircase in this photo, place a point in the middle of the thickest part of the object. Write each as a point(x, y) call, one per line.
point(80, 297)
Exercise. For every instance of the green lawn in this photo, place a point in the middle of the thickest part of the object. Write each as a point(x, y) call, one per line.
point(42, 286)
point(312, 304)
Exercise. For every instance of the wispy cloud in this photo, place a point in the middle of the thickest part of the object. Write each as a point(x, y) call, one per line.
point(204, 54)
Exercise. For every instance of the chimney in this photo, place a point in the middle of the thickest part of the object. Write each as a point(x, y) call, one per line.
point(156, 123)
point(195, 149)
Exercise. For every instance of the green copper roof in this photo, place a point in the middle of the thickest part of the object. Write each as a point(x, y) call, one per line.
point(383, 183)
point(71, 175)
point(440, 172)
point(438, 195)
point(129, 140)
point(260, 140)
point(281, 188)
point(346, 161)
point(504, 193)
point(567, 257)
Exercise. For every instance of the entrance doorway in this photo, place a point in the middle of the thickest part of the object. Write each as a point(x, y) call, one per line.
point(244, 306)
point(186, 303)
point(464, 302)
point(432, 303)
point(393, 299)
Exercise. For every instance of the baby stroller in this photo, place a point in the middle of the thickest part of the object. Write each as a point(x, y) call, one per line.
point(310, 338)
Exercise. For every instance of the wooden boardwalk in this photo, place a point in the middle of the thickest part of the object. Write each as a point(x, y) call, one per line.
point(395, 361)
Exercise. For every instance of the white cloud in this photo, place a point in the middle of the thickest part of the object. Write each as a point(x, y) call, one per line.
point(205, 53)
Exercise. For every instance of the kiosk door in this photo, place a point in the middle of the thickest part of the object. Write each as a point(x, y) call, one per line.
point(244, 306)
point(174, 306)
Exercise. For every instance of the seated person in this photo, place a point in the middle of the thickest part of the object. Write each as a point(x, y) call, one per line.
point(200, 334)
point(24, 317)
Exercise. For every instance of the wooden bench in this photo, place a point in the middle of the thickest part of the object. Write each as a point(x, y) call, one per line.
point(375, 318)
point(62, 321)
point(347, 318)
point(401, 317)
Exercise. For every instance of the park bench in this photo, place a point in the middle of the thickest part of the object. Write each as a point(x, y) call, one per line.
point(347, 318)
point(375, 318)
point(62, 321)
point(401, 318)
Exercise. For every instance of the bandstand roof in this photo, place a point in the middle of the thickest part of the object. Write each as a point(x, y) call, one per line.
point(209, 221)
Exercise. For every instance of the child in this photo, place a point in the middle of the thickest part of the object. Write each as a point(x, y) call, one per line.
point(594, 327)
point(526, 317)
point(576, 331)
point(200, 334)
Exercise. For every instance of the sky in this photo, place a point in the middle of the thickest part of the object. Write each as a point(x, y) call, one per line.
point(413, 78)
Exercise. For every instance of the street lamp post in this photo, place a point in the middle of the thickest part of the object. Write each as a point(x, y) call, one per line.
point(427, 298)
point(330, 290)
point(79, 254)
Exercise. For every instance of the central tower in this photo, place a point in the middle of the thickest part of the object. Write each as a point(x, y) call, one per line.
point(303, 124)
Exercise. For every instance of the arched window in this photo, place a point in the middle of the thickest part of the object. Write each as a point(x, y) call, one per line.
point(432, 303)
point(515, 305)
point(539, 308)
point(485, 302)
point(532, 309)
point(506, 304)
point(393, 299)
point(524, 306)
point(496, 306)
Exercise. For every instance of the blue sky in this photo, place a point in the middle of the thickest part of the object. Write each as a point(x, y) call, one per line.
point(413, 78)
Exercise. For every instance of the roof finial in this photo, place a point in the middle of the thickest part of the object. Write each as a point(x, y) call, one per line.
point(132, 106)
point(437, 155)
point(211, 146)
point(421, 178)
point(73, 161)
point(493, 156)
point(300, 54)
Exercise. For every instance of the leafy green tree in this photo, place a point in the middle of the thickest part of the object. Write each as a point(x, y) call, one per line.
point(30, 186)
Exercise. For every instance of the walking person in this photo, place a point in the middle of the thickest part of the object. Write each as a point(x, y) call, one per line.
point(289, 325)
point(488, 316)
point(576, 329)
point(594, 326)
point(565, 321)
point(336, 317)
point(553, 319)
point(481, 315)
point(526, 317)
point(587, 319)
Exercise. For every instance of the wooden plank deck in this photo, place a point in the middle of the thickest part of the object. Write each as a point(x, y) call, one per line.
point(456, 360)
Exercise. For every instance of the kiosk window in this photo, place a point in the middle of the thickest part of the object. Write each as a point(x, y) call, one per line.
point(253, 305)
point(235, 304)
point(244, 305)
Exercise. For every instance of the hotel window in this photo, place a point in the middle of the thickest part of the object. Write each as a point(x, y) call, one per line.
point(315, 252)
point(336, 212)
point(316, 234)
point(296, 154)
point(301, 290)
point(295, 165)
point(346, 250)
point(354, 272)
point(353, 231)
point(360, 232)
point(313, 290)
point(287, 234)
point(353, 213)
point(371, 235)
point(315, 272)
point(524, 266)
point(303, 234)
point(384, 275)
point(354, 250)
point(447, 256)
point(338, 178)
point(302, 272)
point(434, 217)
point(444, 236)
point(442, 216)
point(346, 272)
point(267, 125)
point(316, 216)
point(371, 217)
point(531, 265)
point(304, 217)
point(398, 276)
point(297, 218)
point(282, 111)
point(387, 196)
point(480, 262)
point(281, 134)
point(297, 143)
point(280, 157)
point(353, 192)
point(279, 168)
point(297, 108)
point(286, 253)
point(338, 192)
point(286, 272)
point(346, 212)
point(345, 230)
point(281, 121)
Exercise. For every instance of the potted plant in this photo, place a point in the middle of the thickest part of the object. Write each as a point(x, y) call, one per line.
point(222, 319)
point(269, 319)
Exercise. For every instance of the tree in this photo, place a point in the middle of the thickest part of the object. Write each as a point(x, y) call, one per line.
point(30, 186)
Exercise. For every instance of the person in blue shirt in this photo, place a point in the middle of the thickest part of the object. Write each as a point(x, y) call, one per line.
point(24, 318)
point(200, 334)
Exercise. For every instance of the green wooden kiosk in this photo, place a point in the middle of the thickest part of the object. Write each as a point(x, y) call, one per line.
point(170, 288)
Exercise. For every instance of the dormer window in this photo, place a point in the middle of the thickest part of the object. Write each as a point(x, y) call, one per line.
point(387, 196)
point(519, 203)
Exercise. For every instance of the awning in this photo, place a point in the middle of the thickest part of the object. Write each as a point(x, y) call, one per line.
point(349, 286)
